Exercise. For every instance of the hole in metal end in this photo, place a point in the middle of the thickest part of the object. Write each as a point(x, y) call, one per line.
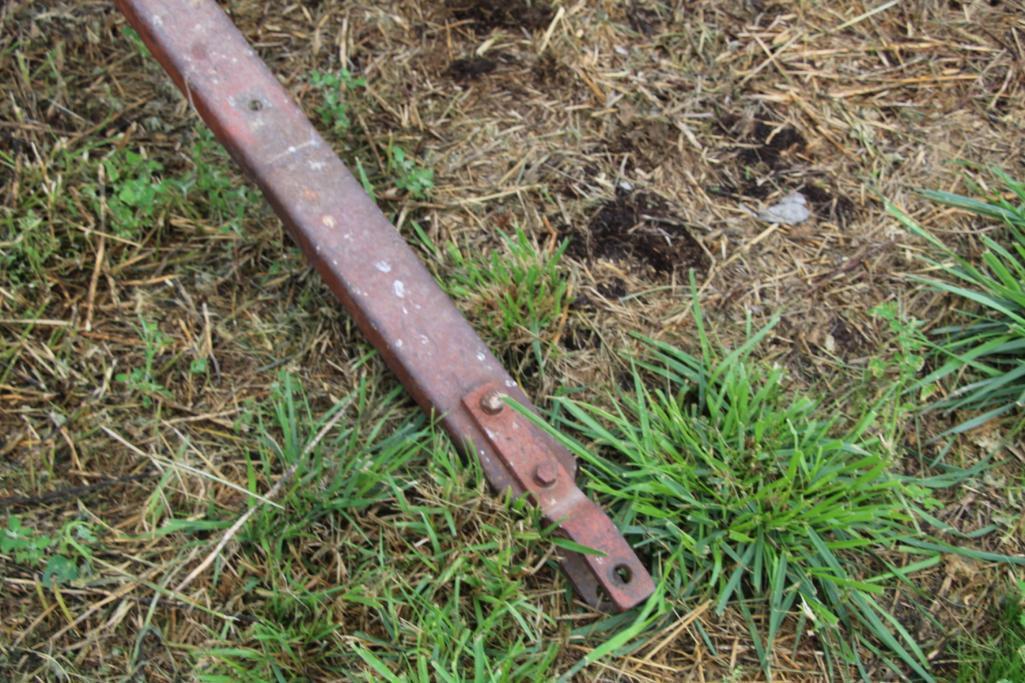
point(255, 104)
point(622, 574)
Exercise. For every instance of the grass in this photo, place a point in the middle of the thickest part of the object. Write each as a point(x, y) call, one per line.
point(999, 657)
point(100, 187)
point(146, 292)
point(451, 607)
point(767, 499)
point(983, 358)
point(517, 293)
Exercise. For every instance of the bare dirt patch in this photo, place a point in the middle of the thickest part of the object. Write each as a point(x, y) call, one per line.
point(642, 229)
point(471, 68)
point(486, 15)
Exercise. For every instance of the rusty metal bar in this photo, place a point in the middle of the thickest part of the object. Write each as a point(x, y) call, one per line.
point(381, 282)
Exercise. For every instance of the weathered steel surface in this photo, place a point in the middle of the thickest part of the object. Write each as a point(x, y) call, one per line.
point(368, 266)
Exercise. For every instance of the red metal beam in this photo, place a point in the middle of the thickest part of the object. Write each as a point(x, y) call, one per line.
point(380, 281)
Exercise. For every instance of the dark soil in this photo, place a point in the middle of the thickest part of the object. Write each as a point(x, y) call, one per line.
point(577, 338)
point(770, 145)
point(848, 339)
point(485, 15)
point(645, 20)
point(550, 71)
point(645, 141)
point(762, 140)
point(829, 206)
point(613, 289)
point(471, 68)
point(766, 150)
point(642, 228)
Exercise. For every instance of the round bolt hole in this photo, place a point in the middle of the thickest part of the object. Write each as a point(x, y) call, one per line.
point(255, 104)
point(622, 574)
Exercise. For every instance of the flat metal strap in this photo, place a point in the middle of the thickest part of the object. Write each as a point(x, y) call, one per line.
point(361, 257)
point(611, 575)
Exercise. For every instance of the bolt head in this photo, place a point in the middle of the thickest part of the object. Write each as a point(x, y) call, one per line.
point(546, 474)
point(492, 403)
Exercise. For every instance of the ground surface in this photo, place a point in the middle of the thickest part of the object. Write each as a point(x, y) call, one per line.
point(646, 133)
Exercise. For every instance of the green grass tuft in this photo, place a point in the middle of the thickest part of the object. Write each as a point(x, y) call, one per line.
point(983, 357)
point(768, 500)
point(517, 293)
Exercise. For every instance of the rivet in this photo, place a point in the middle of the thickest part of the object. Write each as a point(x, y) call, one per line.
point(546, 474)
point(492, 403)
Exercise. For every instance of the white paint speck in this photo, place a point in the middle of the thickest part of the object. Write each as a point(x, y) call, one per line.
point(316, 165)
point(424, 340)
point(399, 288)
point(398, 343)
point(328, 221)
point(509, 383)
point(334, 262)
point(383, 266)
point(481, 357)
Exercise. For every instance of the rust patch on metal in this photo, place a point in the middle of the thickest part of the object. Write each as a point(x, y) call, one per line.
point(368, 266)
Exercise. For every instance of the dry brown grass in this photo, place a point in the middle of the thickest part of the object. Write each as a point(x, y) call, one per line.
point(682, 117)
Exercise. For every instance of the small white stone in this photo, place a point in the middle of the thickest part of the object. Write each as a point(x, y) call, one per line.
point(790, 210)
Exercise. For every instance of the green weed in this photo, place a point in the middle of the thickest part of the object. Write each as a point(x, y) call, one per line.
point(335, 88)
point(143, 379)
point(139, 194)
point(415, 180)
point(112, 189)
point(218, 193)
point(984, 357)
point(28, 547)
point(34, 232)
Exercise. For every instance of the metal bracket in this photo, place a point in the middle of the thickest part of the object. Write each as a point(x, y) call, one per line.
point(613, 576)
